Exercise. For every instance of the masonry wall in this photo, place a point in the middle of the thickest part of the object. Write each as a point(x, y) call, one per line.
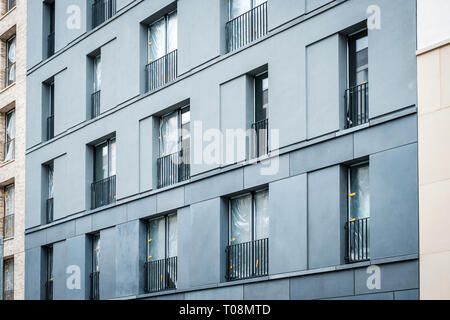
point(13, 172)
point(307, 193)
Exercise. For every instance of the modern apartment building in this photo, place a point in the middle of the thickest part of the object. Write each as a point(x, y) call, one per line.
point(13, 35)
point(222, 149)
point(433, 58)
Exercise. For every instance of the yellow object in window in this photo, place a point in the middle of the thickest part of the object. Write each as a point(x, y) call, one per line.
point(150, 257)
point(150, 240)
point(352, 194)
point(352, 220)
point(234, 239)
point(257, 263)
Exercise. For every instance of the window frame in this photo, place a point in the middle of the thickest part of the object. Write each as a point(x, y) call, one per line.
point(180, 137)
point(351, 56)
point(108, 143)
point(166, 236)
point(349, 185)
point(8, 140)
point(252, 214)
point(260, 95)
point(165, 17)
point(8, 63)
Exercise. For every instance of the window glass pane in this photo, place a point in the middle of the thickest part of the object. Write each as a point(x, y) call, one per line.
point(241, 215)
point(186, 128)
point(238, 7)
point(359, 192)
point(262, 97)
point(112, 157)
point(11, 60)
point(172, 32)
point(8, 275)
point(51, 181)
point(9, 200)
point(97, 73)
point(51, 106)
point(50, 263)
point(101, 162)
point(359, 58)
point(173, 250)
point(258, 2)
point(96, 253)
point(157, 40)
point(169, 134)
point(262, 215)
point(157, 239)
point(10, 135)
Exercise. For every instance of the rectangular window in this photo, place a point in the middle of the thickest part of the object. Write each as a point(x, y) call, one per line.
point(95, 275)
point(49, 27)
point(49, 109)
point(49, 273)
point(8, 223)
point(358, 213)
point(97, 82)
point(102, 10)
point(10, 135)
point(10, 4)
point(174, 147)
point(50, 192)
point(104, 186)
point(260, 126)
point(162, 253)
point(357, 96)
point(247, 251)
point(162, 47)
point(11, 61)
point(8, 279)
point(247, 22)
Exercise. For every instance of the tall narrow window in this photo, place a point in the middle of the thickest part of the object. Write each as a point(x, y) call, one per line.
point(49, 26)
point(104, 186)
point(95, 275)
point(97, 82)
point(260, 127)
point(358, 213)
point(162, 253)
point(10, 135)
point(247, 252)
point(8, 279)
point(247, 22)
point(49, 273)
point(50, 192)
point(162, 61)
point(356, 97)
point(11, 61)
point(49, 110)
point(10, 4)
point(174, 148)
point(8, 223)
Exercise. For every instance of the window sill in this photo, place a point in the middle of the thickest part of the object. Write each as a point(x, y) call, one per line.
point(8, 87)
point(5, 163)
point(8, 239)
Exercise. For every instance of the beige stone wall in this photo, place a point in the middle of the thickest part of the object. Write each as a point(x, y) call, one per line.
point(434, 171)
point(14, 96)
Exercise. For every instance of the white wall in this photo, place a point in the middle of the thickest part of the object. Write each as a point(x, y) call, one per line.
point(433, 24)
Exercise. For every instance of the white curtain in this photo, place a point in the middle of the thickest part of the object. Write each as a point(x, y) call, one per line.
point(172, 32)
point(12, 60)
point(112, 157)
point(173, 249)
point(169, 134)
point(241, 215)
point(156, 239)
point(96, 253)
point(157, 40)
point(359, 188)
point(10, 135)
point(51, 182)
point(9, 200)
point(238, 7)
point(97, 73)
point(262, 215)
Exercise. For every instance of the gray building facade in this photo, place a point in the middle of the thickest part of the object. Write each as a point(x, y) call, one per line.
point(325, 208)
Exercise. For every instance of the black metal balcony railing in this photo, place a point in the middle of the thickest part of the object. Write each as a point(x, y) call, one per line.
point(161, 71)
point(50, 210)
point(51, 44)
point(260, 139)
point(161, 275)
point(247, 260)
point(50, 127)
point(8, 226)
point(95, 286)
point(357, 240)
point(10, 4)
point(9, 150)
point(95, 104)
point(103, 192)
point(102, 10)
point(10, 76)
point(357, 105)
point(174, 168)
point(8, 295)
point(247, 28)
point(49, 290)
